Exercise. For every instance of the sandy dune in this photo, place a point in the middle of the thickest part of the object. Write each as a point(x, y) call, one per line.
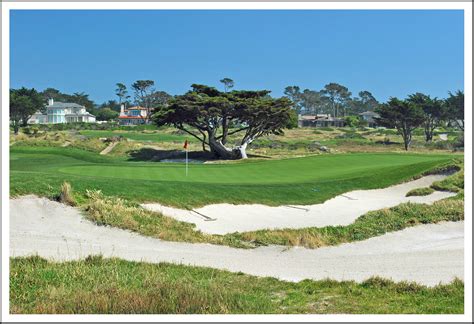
point(427, 254)
point(341, 210)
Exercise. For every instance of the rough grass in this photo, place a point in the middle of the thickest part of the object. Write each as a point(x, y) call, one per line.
point(124, 214)
point(113, 286)
point(372, 224)
point(57, 139)
point(420, 192)
point(453, 183)
point(144, 136)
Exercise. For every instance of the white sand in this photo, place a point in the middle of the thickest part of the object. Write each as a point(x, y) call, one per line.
point(341, 210)
point(427, 254)
point(443, 137)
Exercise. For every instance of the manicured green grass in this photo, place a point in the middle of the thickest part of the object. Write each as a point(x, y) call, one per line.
point(420, 192)
point(137, 136)
point(101, 286)
point(306, 180)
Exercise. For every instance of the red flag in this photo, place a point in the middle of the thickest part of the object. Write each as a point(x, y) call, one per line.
point(185, 144)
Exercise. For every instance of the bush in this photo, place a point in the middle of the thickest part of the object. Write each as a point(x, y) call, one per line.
point(350, 135)
point(352, 121)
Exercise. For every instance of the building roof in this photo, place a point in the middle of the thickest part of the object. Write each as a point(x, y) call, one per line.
point(130, 117)
point(75, 115)
point(369, 113)
point(58, 104)
point(307, 117)
point(136, 108)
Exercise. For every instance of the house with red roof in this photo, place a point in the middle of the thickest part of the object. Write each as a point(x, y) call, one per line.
point(135, 115)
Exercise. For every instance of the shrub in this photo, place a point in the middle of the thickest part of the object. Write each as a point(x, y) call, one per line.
point(350, 135)
point(351, 121)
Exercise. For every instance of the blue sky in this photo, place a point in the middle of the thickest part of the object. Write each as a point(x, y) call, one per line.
point(390, 53)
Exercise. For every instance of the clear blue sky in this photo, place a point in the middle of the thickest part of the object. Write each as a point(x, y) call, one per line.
point(390, 53)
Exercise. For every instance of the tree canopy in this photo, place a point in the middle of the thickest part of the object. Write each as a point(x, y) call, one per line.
point(402, 115)
point(211, 116)
point(23, 104)
point(455, 108)
point(433, 110)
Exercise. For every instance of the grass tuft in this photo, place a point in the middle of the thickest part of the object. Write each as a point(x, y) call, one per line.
point(420, 192)
point(66, 195)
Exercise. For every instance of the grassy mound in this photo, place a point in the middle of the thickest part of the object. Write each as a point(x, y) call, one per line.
point(420, 192)
point(112, 286)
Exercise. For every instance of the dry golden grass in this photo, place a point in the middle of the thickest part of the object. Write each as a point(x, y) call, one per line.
point(65, 195)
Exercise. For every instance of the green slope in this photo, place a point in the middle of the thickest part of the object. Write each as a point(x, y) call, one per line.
point(300, 180)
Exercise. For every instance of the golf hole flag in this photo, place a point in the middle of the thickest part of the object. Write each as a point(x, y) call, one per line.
point(185, 146)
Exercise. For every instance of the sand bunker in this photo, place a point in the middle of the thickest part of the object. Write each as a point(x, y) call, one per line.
point(428, 254)
point(341, 210)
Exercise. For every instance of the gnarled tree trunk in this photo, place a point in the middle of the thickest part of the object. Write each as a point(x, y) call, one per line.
point(223, 152)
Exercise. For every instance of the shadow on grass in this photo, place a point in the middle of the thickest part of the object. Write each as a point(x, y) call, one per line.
point(154, 155)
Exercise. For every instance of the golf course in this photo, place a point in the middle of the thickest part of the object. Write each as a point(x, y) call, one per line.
point(305, 180)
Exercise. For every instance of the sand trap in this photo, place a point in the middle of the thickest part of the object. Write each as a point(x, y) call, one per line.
point(427, 254)
point(341, 210)
point(443, 137)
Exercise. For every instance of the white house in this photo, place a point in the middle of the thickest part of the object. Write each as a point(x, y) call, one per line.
point(62, 112)
point(132, 116)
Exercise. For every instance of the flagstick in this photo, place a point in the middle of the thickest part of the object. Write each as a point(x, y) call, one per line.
point(186, 161)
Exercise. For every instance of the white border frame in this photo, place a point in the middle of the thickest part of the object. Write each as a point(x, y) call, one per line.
point(466, 6)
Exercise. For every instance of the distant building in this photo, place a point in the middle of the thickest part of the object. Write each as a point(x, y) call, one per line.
point(369, 116)
point(132, 116)
point(38, 118)
point(62, 112)
point(320, 120)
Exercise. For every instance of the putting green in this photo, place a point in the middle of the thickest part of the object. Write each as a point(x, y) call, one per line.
point(308, 180)
point(298, 170)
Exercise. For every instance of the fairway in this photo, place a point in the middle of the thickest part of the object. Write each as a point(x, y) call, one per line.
point(305, 180)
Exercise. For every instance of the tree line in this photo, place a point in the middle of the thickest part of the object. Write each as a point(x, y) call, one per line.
point(334, 99)
point(211, 115)
point(420, 110)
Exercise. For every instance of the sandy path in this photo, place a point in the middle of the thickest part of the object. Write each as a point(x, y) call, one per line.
point(341, 210)
point(428, 254)
point(109, 148)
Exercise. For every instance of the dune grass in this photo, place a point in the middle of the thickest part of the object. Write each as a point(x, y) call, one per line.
point(372, 224)
point(307, 180)
point(137, 136)
point(420, 192)
point(130, 216)
point(113, 286)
